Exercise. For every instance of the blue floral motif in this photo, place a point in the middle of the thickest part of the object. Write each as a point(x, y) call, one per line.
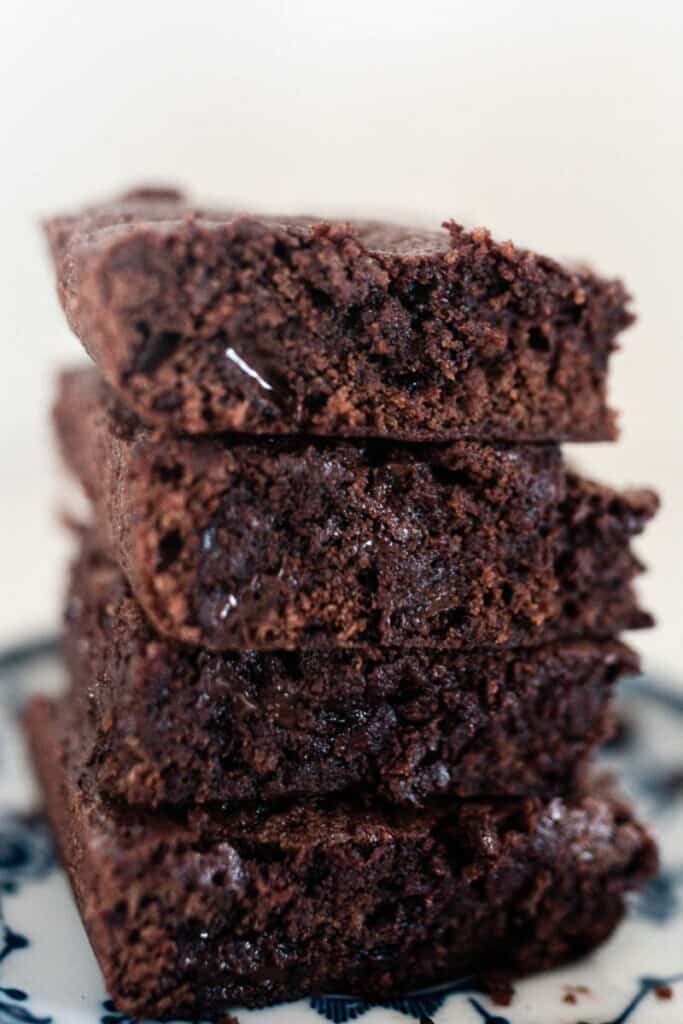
point(112, 1015)
point(25, 851)
point(660, 900)
point(13, 1010)
point(489, 1018)
point(420, 1005)
point(12, 658)
point(11, 940)
point(663, 788)
point(12, 1000)
point(646, 986)
point(25, 855)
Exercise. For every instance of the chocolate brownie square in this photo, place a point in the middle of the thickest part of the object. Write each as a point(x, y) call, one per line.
point(208, 320)
point(240, 543)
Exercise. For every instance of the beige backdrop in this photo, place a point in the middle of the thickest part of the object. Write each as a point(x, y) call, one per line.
point(558, 125)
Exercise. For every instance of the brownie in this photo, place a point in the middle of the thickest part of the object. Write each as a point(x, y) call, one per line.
point(207, 321)
point(161, 723)
point(237, 543)
point(192, 913)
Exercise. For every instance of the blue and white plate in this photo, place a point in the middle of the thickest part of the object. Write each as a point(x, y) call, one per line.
point(48, 974)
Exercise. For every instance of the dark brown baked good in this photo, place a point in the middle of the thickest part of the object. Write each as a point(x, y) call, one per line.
point(161, 723)
point(208, 320)
point(244, 544)
point(190, 914)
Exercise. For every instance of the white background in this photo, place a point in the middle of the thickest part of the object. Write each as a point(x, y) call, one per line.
point(555, 124)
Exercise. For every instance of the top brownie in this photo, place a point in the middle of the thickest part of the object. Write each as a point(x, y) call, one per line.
point(206, 321)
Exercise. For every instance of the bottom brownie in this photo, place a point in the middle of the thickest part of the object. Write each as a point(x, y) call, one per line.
point(190, 914)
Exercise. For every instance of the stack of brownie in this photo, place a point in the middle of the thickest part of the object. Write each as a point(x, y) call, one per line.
point(344, 630)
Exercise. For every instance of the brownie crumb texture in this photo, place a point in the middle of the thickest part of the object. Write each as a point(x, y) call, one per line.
point(343, 633)
point(159, 723)
point(286, 544)
point(192, 913)
point(206, 321)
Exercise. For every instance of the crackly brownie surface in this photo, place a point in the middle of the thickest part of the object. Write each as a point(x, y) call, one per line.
point(240, 544)
point(161, 723)
point(208, 321)
point(190, 914)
